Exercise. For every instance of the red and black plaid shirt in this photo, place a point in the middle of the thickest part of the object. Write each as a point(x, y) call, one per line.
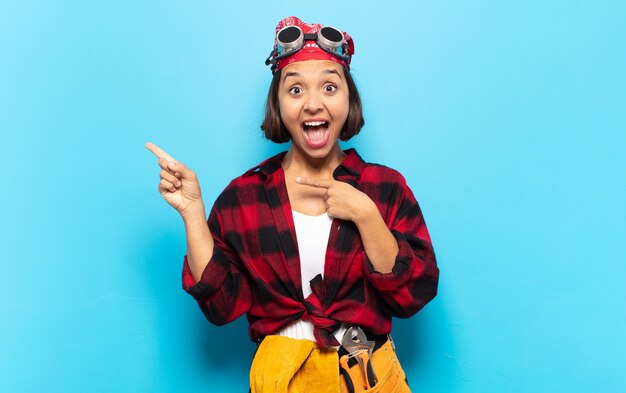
point(255, 268)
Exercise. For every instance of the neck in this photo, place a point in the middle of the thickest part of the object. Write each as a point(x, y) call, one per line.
point(304, 165)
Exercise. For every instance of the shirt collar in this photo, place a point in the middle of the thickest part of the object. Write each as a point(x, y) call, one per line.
point(352, 164)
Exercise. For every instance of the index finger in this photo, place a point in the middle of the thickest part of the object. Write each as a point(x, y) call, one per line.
point(318, 183)
point(160, 153)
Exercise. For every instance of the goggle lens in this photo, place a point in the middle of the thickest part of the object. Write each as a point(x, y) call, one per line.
point(332, 37)
point(289, 39)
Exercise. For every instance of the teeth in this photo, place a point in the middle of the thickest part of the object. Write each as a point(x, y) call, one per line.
point(314, 123)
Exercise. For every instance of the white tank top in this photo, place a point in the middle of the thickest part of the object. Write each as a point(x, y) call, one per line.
point(312, 234)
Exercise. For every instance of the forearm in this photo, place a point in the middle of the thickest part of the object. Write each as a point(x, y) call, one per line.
point(199, 243)
point(380, 245)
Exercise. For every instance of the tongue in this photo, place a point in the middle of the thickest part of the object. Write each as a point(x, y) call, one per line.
point(316, 133)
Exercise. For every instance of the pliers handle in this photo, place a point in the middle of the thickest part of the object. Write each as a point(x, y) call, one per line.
point(345, 370)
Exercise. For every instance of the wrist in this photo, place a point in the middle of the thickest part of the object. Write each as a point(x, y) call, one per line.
point(367, 213)
point(193, 215)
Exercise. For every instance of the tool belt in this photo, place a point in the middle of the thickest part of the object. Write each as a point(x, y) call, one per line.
point(368, 364)
point(286, 365)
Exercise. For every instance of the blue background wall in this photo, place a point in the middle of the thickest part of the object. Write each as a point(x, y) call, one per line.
point(508, 121)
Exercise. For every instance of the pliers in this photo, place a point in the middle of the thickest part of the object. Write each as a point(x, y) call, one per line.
point(356, 344)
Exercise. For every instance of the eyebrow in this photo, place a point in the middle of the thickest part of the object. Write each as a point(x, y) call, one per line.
point(291, 74)
point(326, 72)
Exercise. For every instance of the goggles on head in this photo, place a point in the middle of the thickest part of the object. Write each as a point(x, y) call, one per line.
point(291, 39)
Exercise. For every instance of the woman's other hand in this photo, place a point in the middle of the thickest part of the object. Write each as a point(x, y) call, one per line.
point(178, 185)
point(347, 203)
point(342, 200)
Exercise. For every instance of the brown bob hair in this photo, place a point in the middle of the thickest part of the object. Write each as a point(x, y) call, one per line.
point(276, 131)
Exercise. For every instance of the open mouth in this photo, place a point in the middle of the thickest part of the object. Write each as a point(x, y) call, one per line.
point(316, 133)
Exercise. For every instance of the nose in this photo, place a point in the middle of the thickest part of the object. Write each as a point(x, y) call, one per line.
point(313, 102)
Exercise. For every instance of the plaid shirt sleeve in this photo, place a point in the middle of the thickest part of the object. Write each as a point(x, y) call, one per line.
point(223, 292)
point(413, 280)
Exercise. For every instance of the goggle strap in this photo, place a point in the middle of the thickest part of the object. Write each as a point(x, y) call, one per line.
point(345, 57)
point(271, 59)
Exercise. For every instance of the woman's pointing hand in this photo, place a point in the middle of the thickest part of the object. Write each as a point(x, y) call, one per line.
point(341, 199)
point(178, 185)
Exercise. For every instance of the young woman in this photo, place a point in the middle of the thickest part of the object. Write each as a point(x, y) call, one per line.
point(317, 247)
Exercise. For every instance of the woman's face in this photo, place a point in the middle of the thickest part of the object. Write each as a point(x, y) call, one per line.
point(313, 101)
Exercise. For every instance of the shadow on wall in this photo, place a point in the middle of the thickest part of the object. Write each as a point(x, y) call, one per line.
point(191, 350)
point(414, 338)
point(427, 349)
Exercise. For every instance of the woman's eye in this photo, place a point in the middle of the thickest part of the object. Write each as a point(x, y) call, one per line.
point(330, 88)
point(295, 90)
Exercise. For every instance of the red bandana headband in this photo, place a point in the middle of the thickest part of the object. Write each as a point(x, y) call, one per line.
point(311, 49)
